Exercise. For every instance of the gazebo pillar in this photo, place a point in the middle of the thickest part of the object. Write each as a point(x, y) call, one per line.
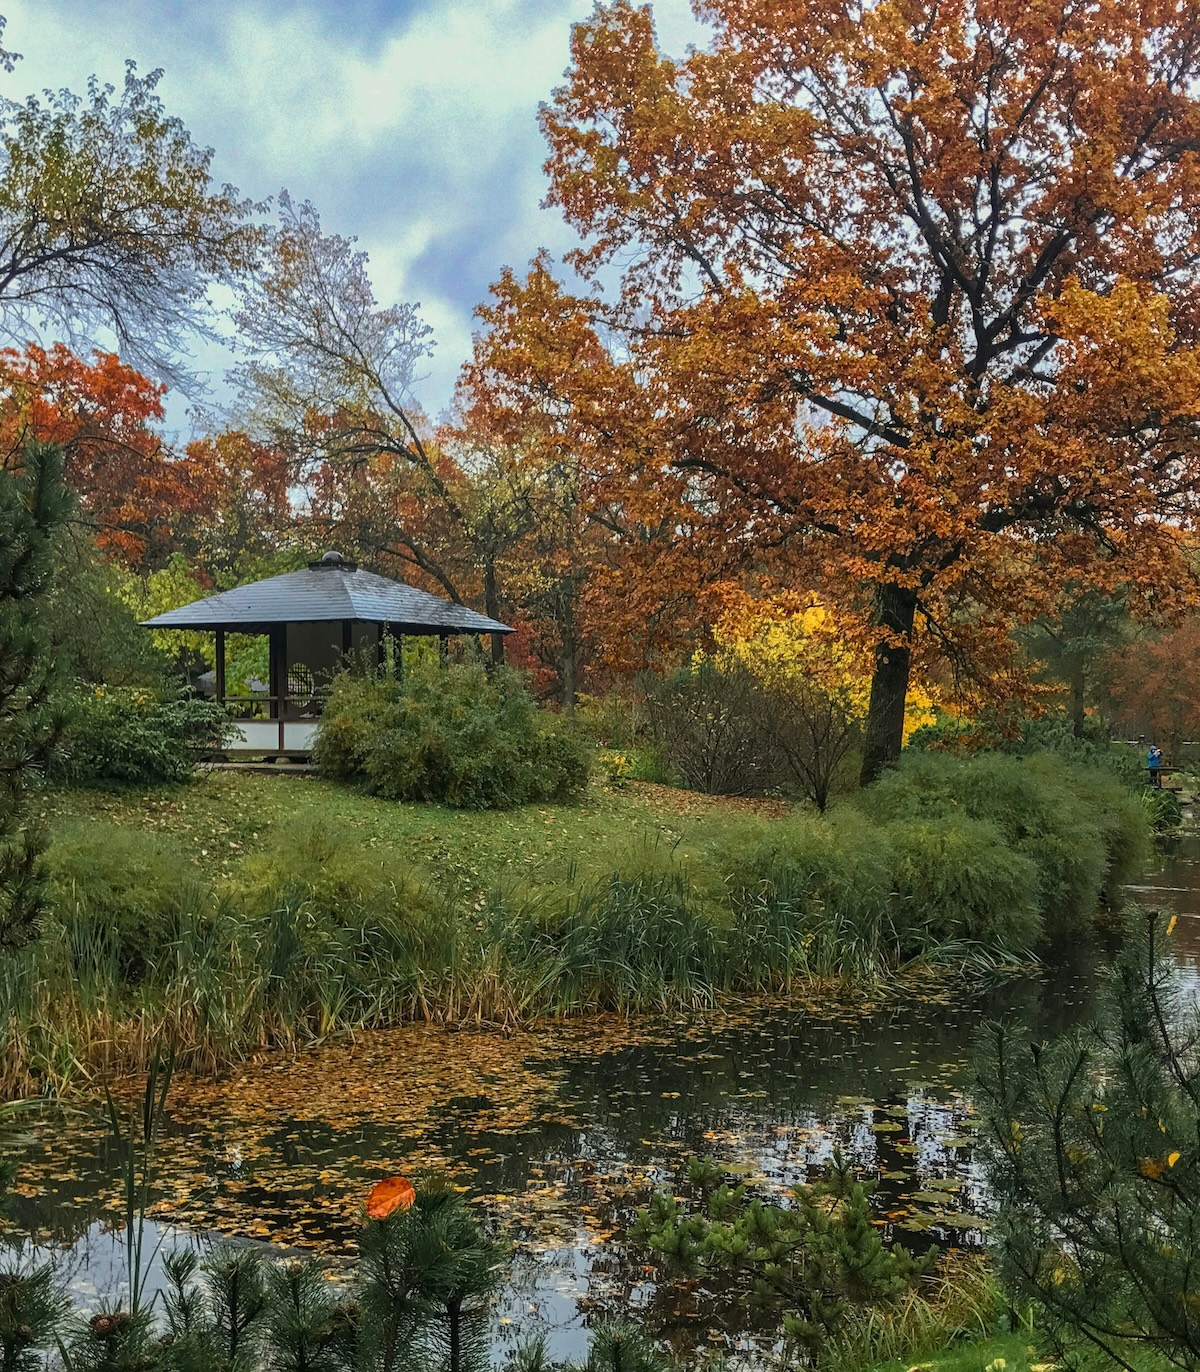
point(277, 650)
point(219, 667)
point(444, 647)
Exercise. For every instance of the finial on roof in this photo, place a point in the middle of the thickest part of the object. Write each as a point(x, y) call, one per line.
point(334, 559)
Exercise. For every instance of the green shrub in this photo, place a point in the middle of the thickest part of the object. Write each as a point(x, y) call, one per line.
point(650, 763)
point(810, 1266)
point(133, 736)
point(325, 869)
point(636, 940)
point(955, 878)
point(812, 893)
point(1163, 808)
point(610, 721)
point(450, 734)
point(1080, 827)
point(1050, 733)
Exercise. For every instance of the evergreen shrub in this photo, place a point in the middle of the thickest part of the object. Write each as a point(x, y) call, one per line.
point(135, 736)
point(1092, 1155)
point(453, 734)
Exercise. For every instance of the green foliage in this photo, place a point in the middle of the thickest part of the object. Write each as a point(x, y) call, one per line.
point(960, 1303)
point(631, 940)
point(1084, 832)
point(1094, 1160)
point(987, 850)
point(215, 1309)
point(416, 1302)
point(1001, 1353)
point(452, 734)
point(34, 505)
point(1049, 733)
point(296, 911)
point(1163, 809)
point(425, 1275)
point(134, 736)
point(613, 720)
point(957, 878)
point(649, 763)
point(120, 895)
point(614, 1348)
point(809, 1265)
point(32, 1312)
point(814, 894)
point(93, 631)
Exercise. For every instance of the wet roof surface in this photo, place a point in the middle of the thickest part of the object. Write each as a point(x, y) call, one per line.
point(328, 592)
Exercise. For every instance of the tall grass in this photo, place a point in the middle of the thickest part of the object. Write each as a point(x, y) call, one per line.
point(960, 1303)
point(321, 932)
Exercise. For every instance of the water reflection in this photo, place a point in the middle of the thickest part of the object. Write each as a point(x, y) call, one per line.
point(772, 1098)
point(770, 1094)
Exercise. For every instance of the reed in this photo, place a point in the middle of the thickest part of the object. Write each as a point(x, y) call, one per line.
point(959, 1303)
point(323, 932)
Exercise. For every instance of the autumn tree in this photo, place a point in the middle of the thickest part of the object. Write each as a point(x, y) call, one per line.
point(106, 417)
point(1152, 686)
point(238, 513)
point(110, 224)
point(905, 301)
point(328, 378)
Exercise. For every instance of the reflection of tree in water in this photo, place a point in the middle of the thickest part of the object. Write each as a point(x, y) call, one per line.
point(772, 1099)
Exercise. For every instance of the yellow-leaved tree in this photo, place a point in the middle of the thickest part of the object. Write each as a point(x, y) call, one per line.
point(814, 679)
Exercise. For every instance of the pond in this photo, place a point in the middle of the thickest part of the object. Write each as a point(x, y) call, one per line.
point(560, 1135)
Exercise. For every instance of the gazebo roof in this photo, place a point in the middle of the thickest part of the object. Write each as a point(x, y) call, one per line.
point(328, 591)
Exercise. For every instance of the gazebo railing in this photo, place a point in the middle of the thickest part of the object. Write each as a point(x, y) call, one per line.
point(274, 724)
point(263, 705)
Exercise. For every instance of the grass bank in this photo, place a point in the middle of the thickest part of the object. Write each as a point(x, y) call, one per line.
point(242, 912)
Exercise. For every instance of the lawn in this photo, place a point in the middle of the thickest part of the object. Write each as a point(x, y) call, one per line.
point(1009, 1353)
point(1015, 1353)
point(220, 817)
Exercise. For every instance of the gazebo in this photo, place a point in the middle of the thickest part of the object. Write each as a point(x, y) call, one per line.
point(315, 621)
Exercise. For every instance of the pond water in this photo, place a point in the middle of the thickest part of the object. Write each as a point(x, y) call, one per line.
point(561, 1135)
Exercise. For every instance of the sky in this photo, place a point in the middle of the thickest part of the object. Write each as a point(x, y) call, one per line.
point(411, 124)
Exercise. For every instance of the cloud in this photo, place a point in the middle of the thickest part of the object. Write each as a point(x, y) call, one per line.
point(411, 125)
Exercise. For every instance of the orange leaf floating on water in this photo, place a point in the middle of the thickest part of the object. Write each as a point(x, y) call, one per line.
point(396, 1193)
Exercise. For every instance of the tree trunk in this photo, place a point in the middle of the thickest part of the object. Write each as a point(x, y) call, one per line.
point(569, 663)
point(889, 682)
point(1077, 697)
point(491, 606)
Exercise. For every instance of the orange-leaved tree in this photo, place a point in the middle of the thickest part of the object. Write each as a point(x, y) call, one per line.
point(892, 295)
point(104, 415)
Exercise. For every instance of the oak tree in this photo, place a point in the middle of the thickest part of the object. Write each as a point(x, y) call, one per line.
point(891, 298)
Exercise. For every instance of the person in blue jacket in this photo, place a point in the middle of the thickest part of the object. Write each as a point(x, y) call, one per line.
point(1154, 764)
